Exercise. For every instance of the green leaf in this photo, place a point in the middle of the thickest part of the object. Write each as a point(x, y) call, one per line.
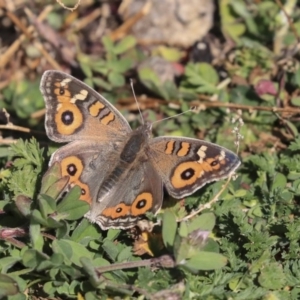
point(49, 222)
point(63, 248)
point(112, 234)
point(169, 54)
point(295, 145)
point(116, 79)
point(102, 66)
point(91, 296)
point(124, 45)
point(8, 286)
point(30, 151)
point(183, 229)
point(44, 265)
point(52, 183)
point(110, 248)
point(48, 288)
point(89, 268)
point(24, 205)
point(102, 83)
point(89, 81)
point(108, 44)
point(26, 168)
point(296, 79)
point(85, 232)
point(6, 263)
point(279, 182)
point(228, 22)
point(202, 75)
point(47, 205)
point(295, 101)
point(120, 66)
point(169, 228)
point(87, 70)
point(206, 221)
point(57, 259)
point(35, 236)
point(32, 258)
point(272, 277)
point(37, 217)
point(125, 254)
point(18, 185)
point(292, 127)
point(260, 262)
point(206, 261)
point(151, 80)
point(211, 246)
point(71, 207)
point(148, 75)
point(71, 251)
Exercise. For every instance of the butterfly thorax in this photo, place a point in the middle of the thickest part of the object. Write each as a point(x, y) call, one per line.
point(135, 143)
point(133, 150)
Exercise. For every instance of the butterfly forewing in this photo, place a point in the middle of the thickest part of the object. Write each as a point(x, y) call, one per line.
point(185, 164)
point(74, 111)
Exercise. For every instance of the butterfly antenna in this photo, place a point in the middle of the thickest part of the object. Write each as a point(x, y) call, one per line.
point(193, 108)
point(136, 101)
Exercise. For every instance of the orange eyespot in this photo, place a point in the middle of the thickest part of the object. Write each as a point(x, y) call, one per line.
point(68, 118)
point(115, 212)
point(141, 204)
point(62, 93)
point(186, 174)
point(215, 163)
point(72, 166)
point(85, 192)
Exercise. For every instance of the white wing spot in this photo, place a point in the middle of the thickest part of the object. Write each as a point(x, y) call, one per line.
point(65, 82)
point(80, 96)
point(222, 155)
point(202, 154)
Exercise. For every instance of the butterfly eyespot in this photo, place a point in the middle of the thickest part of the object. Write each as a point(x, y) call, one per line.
point(72, 166)
point(116, 212)
point(141, 204)
point(187, 174)
point(67, 117)
point(61, 91)
point(71, 169)
point(85, 192)
point(214, 163)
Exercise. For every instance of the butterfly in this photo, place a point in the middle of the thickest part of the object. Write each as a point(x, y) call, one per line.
point(121, 172)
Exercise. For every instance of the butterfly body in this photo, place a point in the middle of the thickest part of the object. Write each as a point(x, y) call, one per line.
point(121, 172)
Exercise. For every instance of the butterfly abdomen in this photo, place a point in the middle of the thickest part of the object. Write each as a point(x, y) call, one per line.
point(112, 179)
